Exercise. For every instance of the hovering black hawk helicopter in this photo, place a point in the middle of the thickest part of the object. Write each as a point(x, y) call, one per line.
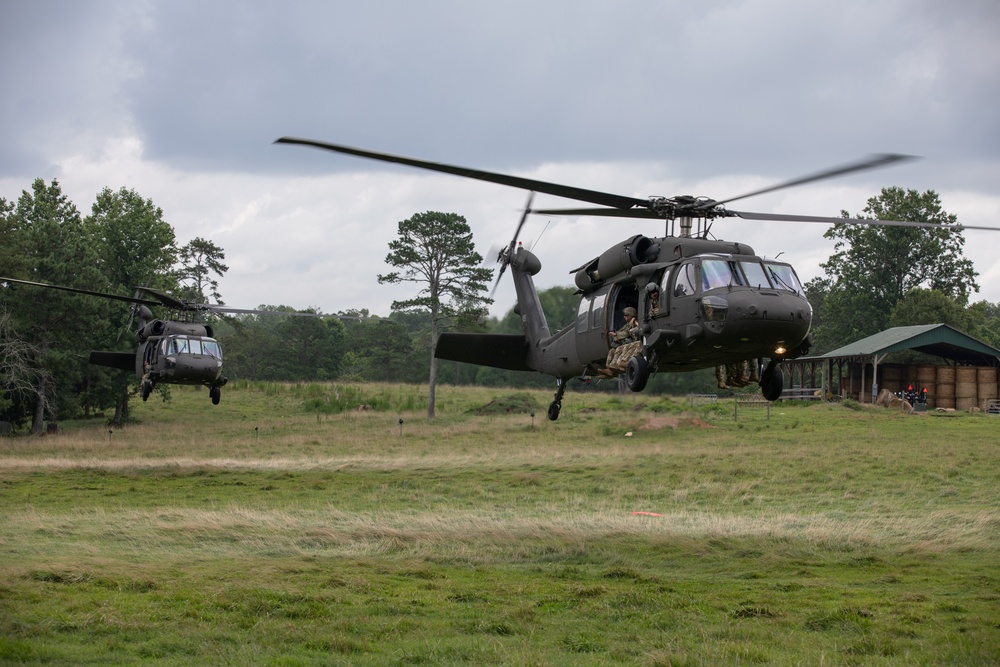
point(170, 351)
point(699, 302)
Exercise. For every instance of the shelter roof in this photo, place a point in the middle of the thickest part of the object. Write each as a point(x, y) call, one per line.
point(940, 340)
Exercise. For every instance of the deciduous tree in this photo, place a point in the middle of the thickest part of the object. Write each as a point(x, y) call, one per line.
point(137, 248)
point(874, 266)
point(58, 247)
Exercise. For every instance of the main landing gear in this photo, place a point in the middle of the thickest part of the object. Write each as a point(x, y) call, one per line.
point(216, 394)
point(637, 373)
point(556, 405)
point(772, 381)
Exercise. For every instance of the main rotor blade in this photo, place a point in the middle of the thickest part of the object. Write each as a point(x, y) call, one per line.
point(604, 212)
point(771, 217)
point(570, 192)
point(167, 300)
point(873, 162)
point(779, 217)
point(105, 295)
point(283, 313)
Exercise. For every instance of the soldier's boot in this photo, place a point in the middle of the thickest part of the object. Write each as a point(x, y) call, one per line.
point(720, 377)
point(744, 376)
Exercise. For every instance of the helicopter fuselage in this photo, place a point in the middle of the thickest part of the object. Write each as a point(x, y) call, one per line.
point(181, 359)
point(718, 303)
point(171, 353)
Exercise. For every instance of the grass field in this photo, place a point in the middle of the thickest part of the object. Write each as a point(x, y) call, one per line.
point(274, 529)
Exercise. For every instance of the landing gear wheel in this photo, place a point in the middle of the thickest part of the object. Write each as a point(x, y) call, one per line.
point(216, 394)
point(636, 374)
point(146, 389)
point(772, 381)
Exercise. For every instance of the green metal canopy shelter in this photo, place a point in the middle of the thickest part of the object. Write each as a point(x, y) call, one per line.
point(939, 340)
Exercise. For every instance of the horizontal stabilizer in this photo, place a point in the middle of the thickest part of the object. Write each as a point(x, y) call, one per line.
point(122, 360)
point(507, 351)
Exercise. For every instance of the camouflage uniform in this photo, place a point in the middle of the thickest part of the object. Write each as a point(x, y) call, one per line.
point(627, 339)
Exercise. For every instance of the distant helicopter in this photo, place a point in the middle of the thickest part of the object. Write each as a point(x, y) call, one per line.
point(170, 351)
point(699, 302)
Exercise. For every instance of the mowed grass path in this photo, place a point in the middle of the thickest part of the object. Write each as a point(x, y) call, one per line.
point(259, 532)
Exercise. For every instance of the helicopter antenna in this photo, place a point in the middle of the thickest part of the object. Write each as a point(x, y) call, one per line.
point(540, 236)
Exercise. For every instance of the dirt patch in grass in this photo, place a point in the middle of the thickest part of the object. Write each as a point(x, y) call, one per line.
point(520, 403)
point(654, 423)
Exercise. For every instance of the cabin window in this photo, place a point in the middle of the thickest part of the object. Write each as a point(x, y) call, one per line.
point(717, 273)
point(687, 278)
point(582, 315)
point(597, 315)
point(784, 278)
point(755, 275)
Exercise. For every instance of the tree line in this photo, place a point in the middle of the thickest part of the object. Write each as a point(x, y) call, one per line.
point(877, 277)
point(45, 336)
point(889, 276)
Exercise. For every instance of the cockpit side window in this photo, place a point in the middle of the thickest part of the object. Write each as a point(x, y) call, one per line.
point(686, 279)
point(211, 348)
point(784, 278)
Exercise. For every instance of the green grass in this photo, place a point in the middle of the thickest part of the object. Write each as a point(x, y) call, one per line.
point(264, 531)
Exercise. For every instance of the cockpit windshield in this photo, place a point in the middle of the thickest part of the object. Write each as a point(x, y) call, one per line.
point(784, 278)
point(718, 273)
point(755, 275)
point(184, 345)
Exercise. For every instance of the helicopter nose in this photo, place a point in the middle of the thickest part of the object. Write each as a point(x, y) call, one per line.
point(754, 306)
point(752, 316)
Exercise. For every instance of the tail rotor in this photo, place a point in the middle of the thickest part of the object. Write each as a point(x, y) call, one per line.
point(506, 255)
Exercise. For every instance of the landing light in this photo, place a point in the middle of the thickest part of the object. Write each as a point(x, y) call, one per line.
point(780, 349)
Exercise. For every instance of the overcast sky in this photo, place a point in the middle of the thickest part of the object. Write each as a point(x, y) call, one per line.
point(182, 101)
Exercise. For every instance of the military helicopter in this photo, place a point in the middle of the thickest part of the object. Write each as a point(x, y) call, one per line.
point(170, 351)
point(698, 302)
